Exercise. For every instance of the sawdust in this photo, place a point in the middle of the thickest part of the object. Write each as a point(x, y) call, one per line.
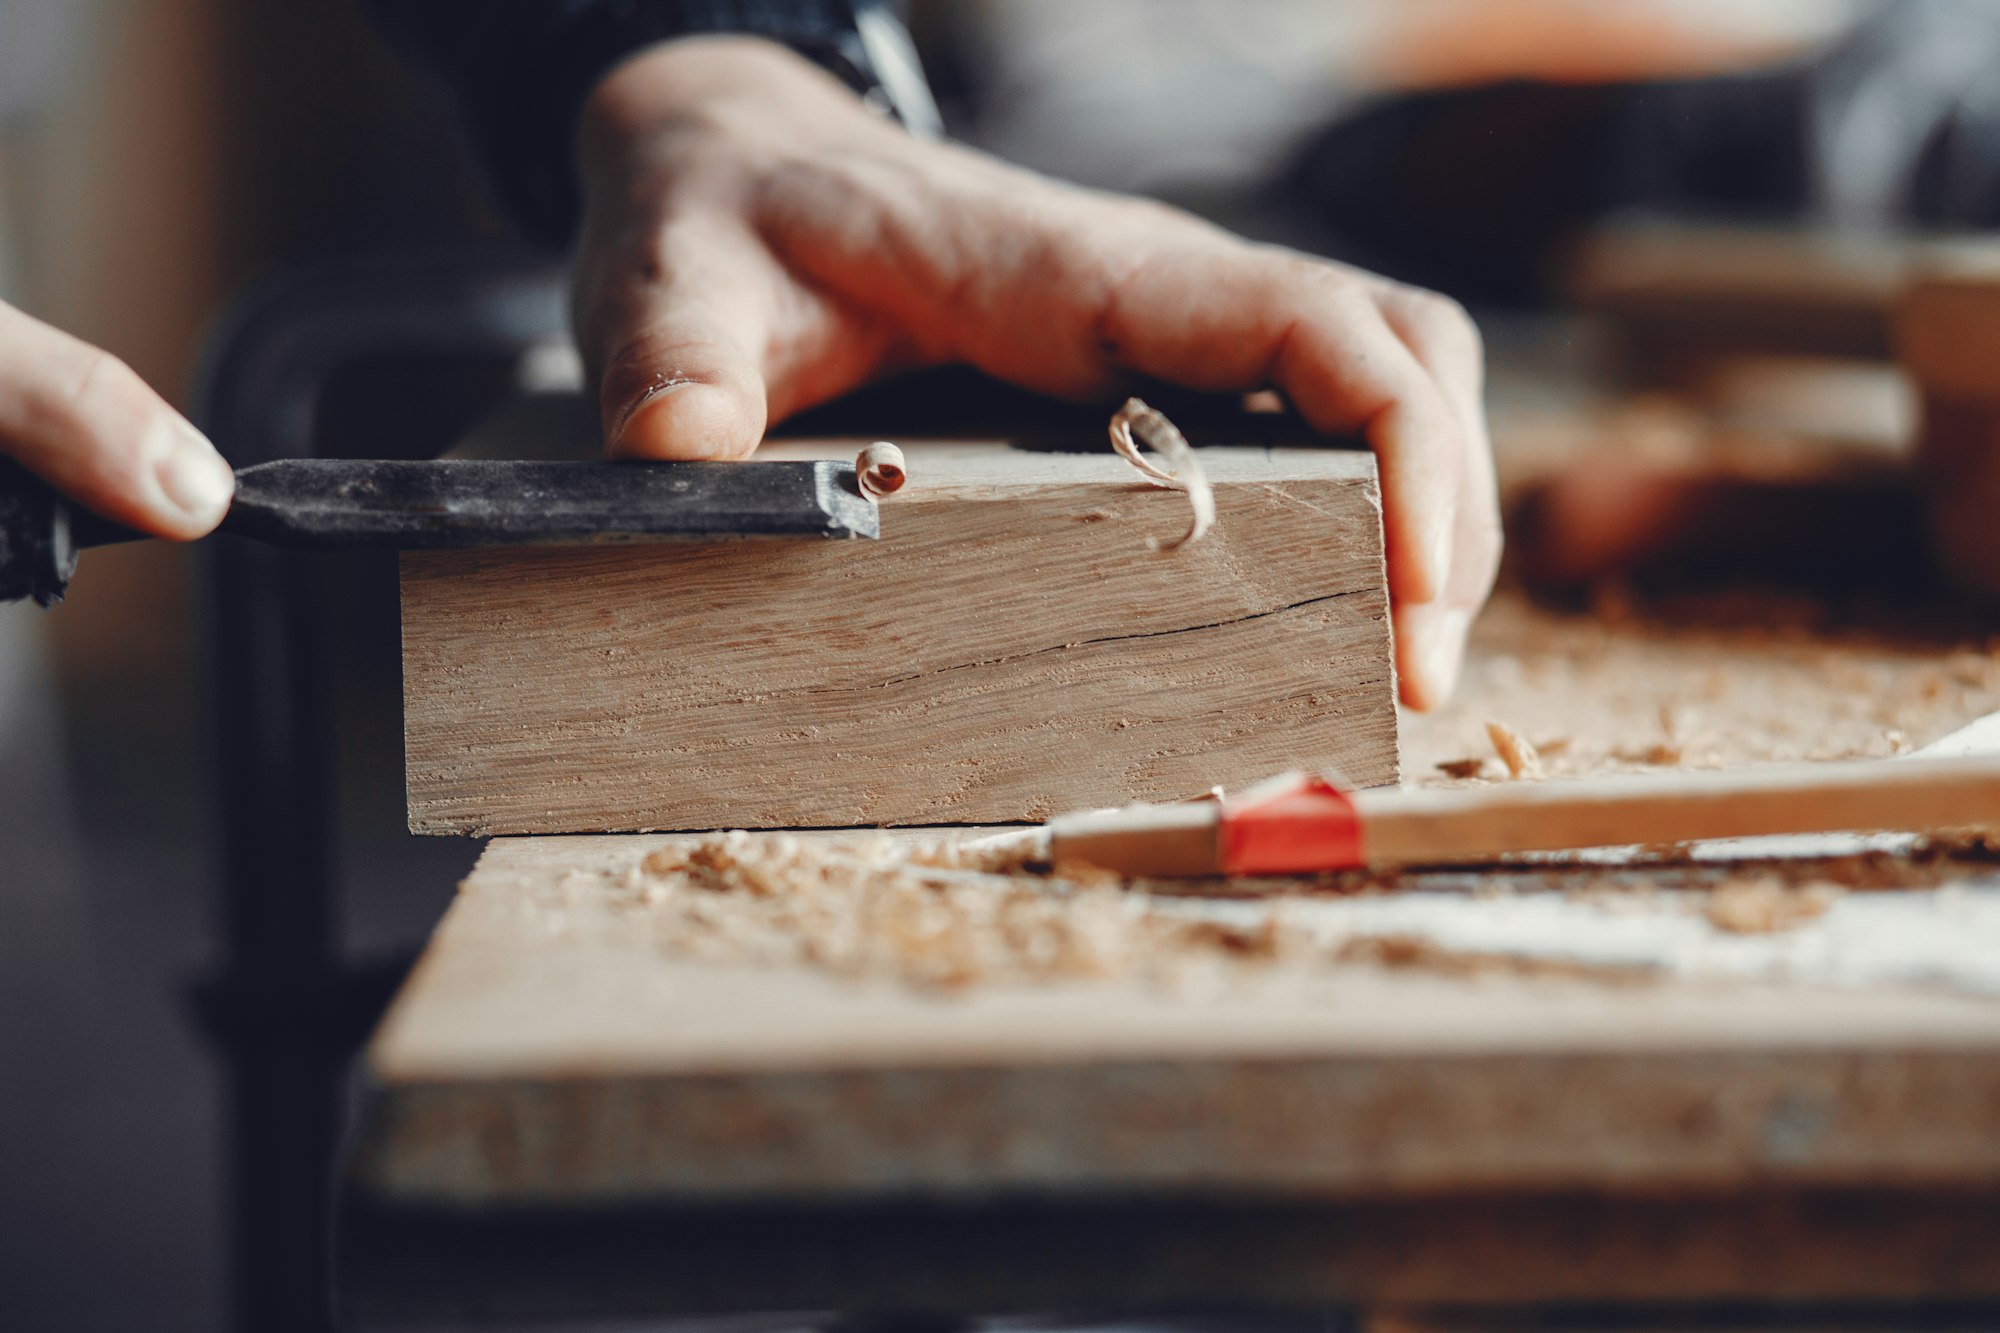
point(1764, 904)
point(1740, 680)
point(1417, 952)
point(947, 913)
point(932, 913)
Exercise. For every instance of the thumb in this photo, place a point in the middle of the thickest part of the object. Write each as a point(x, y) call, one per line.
point(681, 345)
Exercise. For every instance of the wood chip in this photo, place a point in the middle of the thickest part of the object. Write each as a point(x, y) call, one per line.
point(1463, 768)
point(1521, 758)
point(1765, 904)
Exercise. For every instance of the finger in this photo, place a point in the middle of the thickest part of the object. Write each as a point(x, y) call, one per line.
point(1431, 636)
point(1446, 343)
point(675, 325)
point(1060, 290)
point(84, 422)
point(1207, 311)
point(1345, 371)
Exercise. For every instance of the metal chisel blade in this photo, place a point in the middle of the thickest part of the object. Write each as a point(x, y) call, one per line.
point(336, 503)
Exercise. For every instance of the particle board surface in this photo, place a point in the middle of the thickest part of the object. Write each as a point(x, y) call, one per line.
point(1809, 1112)
point(1009, 648)
point(551, 1049)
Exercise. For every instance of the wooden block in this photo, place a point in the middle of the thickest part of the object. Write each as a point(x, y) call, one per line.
point(1948, 325)
point(1706, 291)
point(1010, 648)
point(1948, 339)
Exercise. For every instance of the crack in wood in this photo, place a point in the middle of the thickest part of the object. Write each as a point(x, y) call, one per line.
point(1087, 643)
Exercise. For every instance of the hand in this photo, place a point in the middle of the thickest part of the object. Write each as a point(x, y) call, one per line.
point(756, 241)
point(85, 423)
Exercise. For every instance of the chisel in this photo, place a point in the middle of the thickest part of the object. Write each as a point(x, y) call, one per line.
point(323, 504)
point(1300, 824)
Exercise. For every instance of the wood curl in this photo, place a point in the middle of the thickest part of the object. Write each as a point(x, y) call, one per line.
point(881, 470)
point(1137, 423)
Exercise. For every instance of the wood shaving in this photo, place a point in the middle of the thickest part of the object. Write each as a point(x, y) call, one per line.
point(1415, 951)
point(880, 470)
point(1463, 768)
point(1523, 760)
point(1136, 422)
point(1660, 754)
point(1765, 904)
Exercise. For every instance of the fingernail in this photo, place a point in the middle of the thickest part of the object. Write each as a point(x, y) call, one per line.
point(1443, 648)
point(1440, 554)
point(655, 391)
point(192, 475)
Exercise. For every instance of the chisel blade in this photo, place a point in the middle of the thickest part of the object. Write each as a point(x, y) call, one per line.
point(457, 503)
point(329, 504)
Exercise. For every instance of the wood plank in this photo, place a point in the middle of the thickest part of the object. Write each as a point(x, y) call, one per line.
point(1009, 649)
point(551, 1124)
point(1948, 325)
point(1420, 827)
point(1722, 290)
point(551, 1048)
point(1948, 330)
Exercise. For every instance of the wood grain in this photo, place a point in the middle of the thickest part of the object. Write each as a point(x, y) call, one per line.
point(1010, 648)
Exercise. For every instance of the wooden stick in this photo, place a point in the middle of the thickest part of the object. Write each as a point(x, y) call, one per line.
point(1405, 826)
point(1399, 826)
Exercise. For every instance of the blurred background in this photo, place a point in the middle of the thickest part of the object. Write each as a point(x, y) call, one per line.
point(159, 158)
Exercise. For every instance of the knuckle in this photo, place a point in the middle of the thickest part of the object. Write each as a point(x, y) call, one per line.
point(1439, 317)
point(1319, 279)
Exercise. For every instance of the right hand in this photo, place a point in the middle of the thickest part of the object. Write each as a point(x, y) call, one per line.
point(81, 420)
point(756, 240)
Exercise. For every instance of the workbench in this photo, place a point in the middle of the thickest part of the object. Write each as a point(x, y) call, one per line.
point(1553, 1084)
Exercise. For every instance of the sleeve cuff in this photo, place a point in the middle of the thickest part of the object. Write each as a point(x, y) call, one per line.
point(524, 98)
